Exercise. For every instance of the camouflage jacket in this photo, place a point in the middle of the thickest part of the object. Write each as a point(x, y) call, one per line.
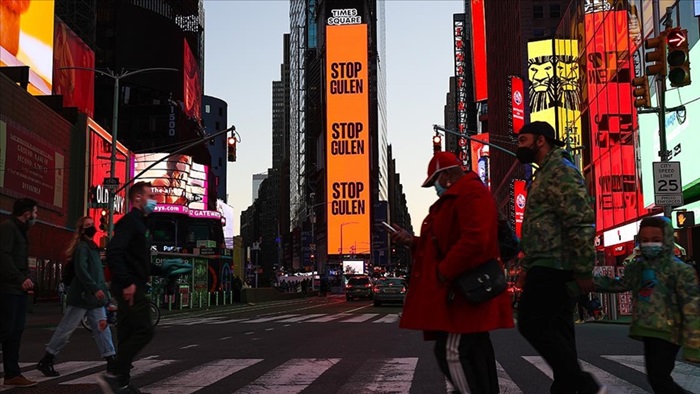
point(665, 298)
point(558, 226)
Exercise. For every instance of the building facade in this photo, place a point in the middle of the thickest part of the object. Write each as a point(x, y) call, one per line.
point(215, 118)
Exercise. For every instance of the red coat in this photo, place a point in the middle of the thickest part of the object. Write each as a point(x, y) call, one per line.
point(464, 222)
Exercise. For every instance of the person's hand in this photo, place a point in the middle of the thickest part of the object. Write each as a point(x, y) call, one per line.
point(522, 276)
point(100, 295)
point(586, 285)
point(401, 236)
point(128, 294)
point(27, 284)
point(102, 325)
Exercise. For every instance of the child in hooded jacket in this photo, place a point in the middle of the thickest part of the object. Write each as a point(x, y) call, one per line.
point(665, 303)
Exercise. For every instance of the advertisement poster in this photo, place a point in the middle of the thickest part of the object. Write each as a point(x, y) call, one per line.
point(169, 178)
point(519, 200)
point(29, 165)
point(347, 146)
point(353, 267)
point(192, 85)
point(196, 190)
point(227, 219)
point(76, 86)
point(624, 300)
point(26, 39)
point(517, 104)
point(480, 158)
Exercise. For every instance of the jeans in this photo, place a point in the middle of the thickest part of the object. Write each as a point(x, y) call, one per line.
point(545, 319)
point(71, 320)
point(13, 314)
point(134, 333)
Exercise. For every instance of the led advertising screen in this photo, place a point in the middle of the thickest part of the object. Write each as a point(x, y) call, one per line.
point(461, 78)
point(192, 84)
point(516, 111)
point(480, 156)
point(26, 39)
point(554, 89)
point(347, 137)
point(197, 187)
point(169, 178)
point(76, 86)
point(519, 199)
point(30, 166)
point(478, 41)
point(612, 119)
point(353, 267)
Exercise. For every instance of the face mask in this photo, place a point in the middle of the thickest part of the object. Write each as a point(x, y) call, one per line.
point(90, 231)
point(526, 155)
point(31, 221)
point(439, 189)
point(652, 249)
point(150, 206)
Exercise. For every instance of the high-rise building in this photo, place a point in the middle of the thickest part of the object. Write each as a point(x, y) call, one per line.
point(257, 180)
point(214, 118)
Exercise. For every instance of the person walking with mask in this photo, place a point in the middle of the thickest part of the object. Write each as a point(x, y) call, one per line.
point(665, 303)
point(15, 284)
point(459, 234)
point(557, 241)
point(129, 261)
point(87, 295)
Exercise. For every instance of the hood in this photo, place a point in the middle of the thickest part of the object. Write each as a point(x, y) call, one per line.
point(669, 242)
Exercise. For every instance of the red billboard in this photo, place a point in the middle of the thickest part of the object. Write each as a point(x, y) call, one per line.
point(516, 111)
point(478, 40)
point(192, 84)
point(76, 86)
point(30, 166)
point(519, 198)
point(612, 119)
point(480, 158)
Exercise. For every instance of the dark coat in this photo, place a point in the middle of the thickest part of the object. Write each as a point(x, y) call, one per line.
point(464, 223)
point(14, 253)
point(89, 277)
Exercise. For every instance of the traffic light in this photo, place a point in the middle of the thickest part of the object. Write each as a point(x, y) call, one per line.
point(103, 220)
point(437, 143)
point(685, 218)
point(656, 52)
point(678, 57)
point(231, 149)
point(641, 92)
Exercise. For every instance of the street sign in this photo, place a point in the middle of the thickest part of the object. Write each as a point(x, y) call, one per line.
point(312, 247)
point(668, 190)
point(676, 37)
point(111, 183)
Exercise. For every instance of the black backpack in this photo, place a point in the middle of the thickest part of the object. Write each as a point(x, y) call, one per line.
point(68, 273)
point(508, 242)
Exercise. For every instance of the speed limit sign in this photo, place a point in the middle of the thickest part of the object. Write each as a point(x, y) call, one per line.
point(668, 189)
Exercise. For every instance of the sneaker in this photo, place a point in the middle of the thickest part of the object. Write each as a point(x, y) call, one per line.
point(109, 384)
point(46, 367)
point(579, 321)
point(19, 381)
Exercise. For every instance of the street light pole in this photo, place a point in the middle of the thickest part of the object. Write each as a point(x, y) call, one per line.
point(341, 235)
point(115, 122)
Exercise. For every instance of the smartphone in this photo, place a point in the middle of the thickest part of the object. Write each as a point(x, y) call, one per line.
point(389, 227)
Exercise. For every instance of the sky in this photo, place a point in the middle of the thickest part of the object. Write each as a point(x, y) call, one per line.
point(243, 53)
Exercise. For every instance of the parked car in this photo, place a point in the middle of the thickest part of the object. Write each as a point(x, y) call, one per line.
point(358, 287)
point(389, 290)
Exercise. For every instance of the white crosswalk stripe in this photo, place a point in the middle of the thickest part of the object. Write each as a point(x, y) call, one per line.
point(385, 375)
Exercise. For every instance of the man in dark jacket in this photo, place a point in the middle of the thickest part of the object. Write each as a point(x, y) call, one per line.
point(14, 285)
point(129, 260)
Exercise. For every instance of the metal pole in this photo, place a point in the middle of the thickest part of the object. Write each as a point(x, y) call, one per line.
point(113, 158)
point(502, 149)
point(661, 97)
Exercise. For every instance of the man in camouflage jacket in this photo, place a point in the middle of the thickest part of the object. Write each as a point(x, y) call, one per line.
point(557, 240)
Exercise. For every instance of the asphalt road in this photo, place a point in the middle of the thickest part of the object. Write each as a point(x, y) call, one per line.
point(324, 345)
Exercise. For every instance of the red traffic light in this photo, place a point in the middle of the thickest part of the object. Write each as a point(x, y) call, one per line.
point(676, 38)
point(231, 141)
point(103, 213)
point(437, 140)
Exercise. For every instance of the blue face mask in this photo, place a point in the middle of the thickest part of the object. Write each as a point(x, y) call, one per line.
point(439, 189)
point(651, 249)
point(150, 206)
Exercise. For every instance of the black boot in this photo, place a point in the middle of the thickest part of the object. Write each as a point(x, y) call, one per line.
point(45, 365)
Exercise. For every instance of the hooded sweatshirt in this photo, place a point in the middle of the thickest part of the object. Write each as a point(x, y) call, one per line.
point(665, 297)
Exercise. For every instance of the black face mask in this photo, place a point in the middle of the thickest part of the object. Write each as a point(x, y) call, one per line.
point(90, 231)
point(526, 155)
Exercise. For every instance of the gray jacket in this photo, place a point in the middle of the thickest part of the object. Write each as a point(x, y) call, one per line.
point(14, 252)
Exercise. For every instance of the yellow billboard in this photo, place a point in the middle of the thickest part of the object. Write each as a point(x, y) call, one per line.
point(347, 138)
point(555, 89)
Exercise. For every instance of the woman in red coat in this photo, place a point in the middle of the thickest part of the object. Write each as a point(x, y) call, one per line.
point(459, 233)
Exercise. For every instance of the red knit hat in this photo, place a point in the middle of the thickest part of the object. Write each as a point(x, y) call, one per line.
point(440, 161)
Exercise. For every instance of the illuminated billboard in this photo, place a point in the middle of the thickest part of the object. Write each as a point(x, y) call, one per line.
point(353, 267)
point(26, 39)
point(480, 158)
point(196, 190)
point(461, 81)
point(516, 111)
point(76, 86)
point(612, 119)
point(519, 196)
point(478, 41)
point(347, 137)
point(169, 178)
point(554, 89)
point(192, 84)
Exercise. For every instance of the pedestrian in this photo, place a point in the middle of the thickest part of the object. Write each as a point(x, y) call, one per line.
point(87, 295)
point(304, 287)
point(15, 284)
point(665, 303)
point(129, 260)
point(459, 234)
point(557, 242)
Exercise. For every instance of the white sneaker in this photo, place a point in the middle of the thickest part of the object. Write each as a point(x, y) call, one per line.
point(602, 390)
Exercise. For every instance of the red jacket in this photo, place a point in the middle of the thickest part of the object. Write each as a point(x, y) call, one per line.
point(464, 222)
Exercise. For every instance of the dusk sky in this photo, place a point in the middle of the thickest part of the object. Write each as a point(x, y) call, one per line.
point(243, 54)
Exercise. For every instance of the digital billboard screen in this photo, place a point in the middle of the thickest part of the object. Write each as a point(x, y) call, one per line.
point(478, 41)
point(26, 39)
point(192, 84)
point(516, 111)
point(353, 267)
point(76, 86)
point(169, 178)
point(347, 137)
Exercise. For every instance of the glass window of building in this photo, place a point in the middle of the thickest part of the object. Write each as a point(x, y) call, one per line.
point(207, 108)
point(554, 11)
point(537, 11)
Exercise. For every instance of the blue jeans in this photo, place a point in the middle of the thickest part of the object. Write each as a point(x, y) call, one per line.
point(13, 314)
point(71, 320)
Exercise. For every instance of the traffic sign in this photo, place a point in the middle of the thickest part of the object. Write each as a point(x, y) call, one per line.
point(668, 190)
point(676, 37)
point(111, 183)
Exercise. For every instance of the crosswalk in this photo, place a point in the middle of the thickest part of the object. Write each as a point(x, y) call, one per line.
point(373, 375)
point(388, 318)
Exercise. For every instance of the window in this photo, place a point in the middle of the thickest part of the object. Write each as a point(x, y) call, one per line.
point(537, 11)
point(218, 126)
point(554, 11)
point(207, 108)
point(221, 111)
point(538, 32)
